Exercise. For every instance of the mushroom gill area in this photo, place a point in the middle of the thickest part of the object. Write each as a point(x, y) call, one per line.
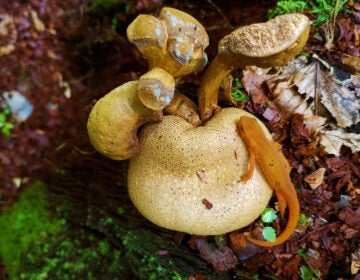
point(186, 178)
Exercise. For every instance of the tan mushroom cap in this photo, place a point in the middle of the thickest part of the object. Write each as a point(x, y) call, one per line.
point(186, 178)
point(268, 44)
point(185, 34)
point(149, 35)
point(156, 88)
point(114, 120)
point(175, 41)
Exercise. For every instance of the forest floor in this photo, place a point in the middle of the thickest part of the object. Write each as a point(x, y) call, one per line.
point(60, 57)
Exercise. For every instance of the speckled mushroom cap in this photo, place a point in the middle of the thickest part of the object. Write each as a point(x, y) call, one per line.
point(185, 178)
point(268, 44)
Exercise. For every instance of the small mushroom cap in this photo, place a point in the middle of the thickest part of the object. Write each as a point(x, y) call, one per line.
point(196, 63)
point(186, 178)
point(268, 44)
point(149, 35)
point(175, 41)
point(156, 88)
point(114, 120)
point(181, 25)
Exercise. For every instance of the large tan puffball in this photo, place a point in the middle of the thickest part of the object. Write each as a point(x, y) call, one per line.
point(186, 178)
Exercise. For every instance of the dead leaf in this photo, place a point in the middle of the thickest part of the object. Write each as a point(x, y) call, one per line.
point(350, 217)
point(253, 80)
point(352, 61)
point(316, 178)
point(332, 140)
point(320, 85)
point(39, 25)
point(289, 102)
point(355, 262)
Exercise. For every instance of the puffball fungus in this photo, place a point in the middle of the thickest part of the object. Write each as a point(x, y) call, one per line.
point(114, 120)
point(186, 178)
point(268, 44)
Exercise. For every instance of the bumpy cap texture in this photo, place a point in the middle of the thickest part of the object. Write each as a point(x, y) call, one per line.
point(284, 35)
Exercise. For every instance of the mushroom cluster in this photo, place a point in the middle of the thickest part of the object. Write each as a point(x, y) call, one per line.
point(174, 45)
point(182, 175)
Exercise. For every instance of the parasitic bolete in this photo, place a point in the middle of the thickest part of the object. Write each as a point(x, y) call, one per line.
point(269, 44)
point(114, 120)
point(175, 41)
point(174, 45)
point(156, 88)
point(183, 176)
point(186, 178)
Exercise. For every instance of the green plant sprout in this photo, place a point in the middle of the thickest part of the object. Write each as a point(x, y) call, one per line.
point(239, 95)
point(305, 221)
point(5, 125)
point(303, 253)
point(287, 7)
point(307, 273)
point(269, 234)
point(268, 215)
point(325, 10)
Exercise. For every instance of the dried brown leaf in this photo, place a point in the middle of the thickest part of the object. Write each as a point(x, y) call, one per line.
point(332, 140)
point(337, 99)
point(253, 80)
point(289, 102)
point(316, 178)
point(352, 61)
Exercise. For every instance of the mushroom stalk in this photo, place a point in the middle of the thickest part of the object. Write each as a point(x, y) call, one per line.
point(183, 107)
point(209, 87)
point(269, 44)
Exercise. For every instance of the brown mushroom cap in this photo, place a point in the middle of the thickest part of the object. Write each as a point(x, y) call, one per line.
point(268, 44)
point(186, 178)
point(114, 120)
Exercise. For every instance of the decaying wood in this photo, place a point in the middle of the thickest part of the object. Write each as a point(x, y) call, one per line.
point(93, 189)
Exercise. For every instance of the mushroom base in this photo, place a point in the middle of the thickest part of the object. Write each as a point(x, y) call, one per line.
point(186, 178)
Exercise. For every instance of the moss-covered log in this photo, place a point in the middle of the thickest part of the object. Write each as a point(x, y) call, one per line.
point(81, 225)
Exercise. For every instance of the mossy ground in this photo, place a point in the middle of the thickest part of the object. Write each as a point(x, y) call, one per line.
point(27, 222)
point(39, 241)
point(36, 245)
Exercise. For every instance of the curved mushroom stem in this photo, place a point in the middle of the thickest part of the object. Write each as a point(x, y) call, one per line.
point(209, 87)
point(114, 121)
point(183, 107)
point(268, 44)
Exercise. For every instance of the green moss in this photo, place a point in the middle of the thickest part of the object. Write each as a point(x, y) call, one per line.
point(34, 245)
point(40, 242)
point(74, 258)
point(325, 10)
point(27, 221)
